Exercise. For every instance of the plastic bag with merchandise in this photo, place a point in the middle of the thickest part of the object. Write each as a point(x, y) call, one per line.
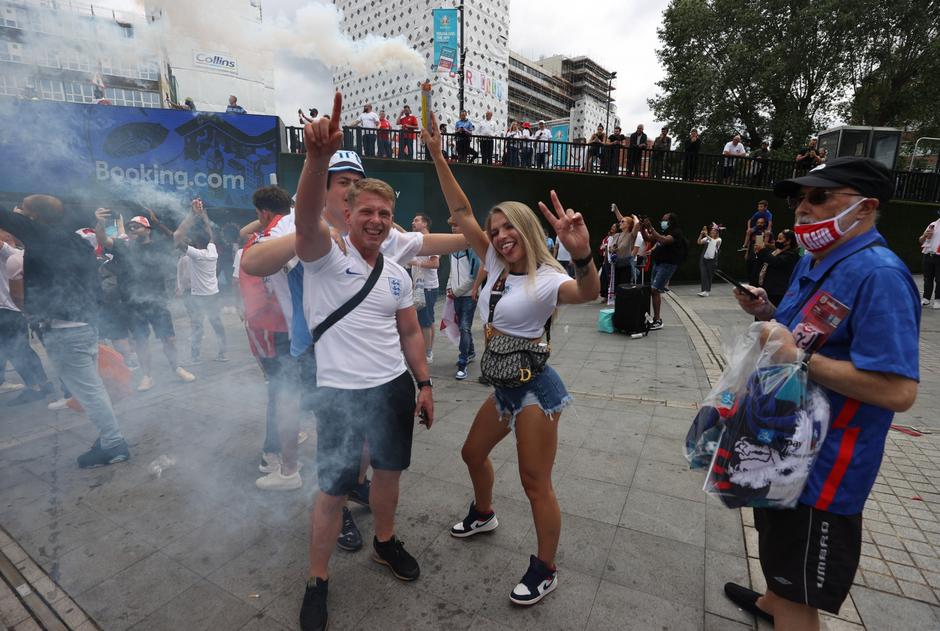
point(759, 430)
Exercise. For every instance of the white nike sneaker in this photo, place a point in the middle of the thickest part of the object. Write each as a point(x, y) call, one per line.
point(275, 481)
point(538, 582)
point(475, 522)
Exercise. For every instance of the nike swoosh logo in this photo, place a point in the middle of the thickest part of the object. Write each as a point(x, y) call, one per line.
point(352, 273)
point(477, 523)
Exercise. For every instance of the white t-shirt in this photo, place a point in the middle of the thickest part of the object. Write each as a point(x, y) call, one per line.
point(425, 277)
point(202, 270)
point(525, 306)
point(486, 128)
point(363, 350)
point(11, 268)
point(403, 247)
point(368, 120)
point(237, 265)
point(735, 149)
point(542, 135)
point(183, 274)
point(277, 282)
point(563, 254)
point(932, 245)
point(643, 249)
point(711, 247)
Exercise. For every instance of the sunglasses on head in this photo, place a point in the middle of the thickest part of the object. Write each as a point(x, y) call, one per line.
point(816, 197)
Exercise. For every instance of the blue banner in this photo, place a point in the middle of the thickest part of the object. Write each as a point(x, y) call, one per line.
point(154, 157)
point(560, 151)
point(446, 46)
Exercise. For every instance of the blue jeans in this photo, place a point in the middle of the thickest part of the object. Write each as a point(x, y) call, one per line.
point(465, 306)
point(74, 353)
point(662, 272)
point(426, 313)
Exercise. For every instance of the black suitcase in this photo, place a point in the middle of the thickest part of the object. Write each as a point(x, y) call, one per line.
point(632, 309)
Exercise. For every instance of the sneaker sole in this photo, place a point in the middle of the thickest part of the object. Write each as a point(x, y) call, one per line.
point(279, 488)
point(381, 561)
point(117, 460)
point(359, 501)
point(348, 548)
point(527, 603)
point(490, 526)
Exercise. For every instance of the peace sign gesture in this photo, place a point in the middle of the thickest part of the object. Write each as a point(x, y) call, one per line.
point(570, 228)
point(322, 137)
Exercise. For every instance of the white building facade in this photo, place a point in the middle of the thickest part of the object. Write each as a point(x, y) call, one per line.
point(486, 29)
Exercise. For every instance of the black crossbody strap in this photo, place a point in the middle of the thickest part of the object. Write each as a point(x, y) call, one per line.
point(352, 303)
point(497, 292)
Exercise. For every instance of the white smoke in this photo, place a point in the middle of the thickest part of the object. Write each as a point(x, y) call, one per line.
point(313, 32)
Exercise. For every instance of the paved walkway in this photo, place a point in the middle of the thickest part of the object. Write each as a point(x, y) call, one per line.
point(198, 547)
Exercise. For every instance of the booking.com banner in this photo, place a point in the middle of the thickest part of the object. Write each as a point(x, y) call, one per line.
point(153, 157)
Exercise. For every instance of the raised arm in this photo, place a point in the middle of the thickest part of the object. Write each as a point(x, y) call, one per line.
point(200, 212)
point(457, 203)
point(179, 235)
point(321, 138)
point(154, 223)
point(267, 257)
point(572, 231)
point(249, 229)
point(102, 215)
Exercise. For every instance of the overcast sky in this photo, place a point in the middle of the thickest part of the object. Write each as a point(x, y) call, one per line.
point(621, 36)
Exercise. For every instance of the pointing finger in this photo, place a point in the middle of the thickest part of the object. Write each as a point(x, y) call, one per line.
point(337, 111)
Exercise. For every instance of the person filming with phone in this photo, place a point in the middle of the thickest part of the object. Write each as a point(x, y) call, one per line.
point(853, 308)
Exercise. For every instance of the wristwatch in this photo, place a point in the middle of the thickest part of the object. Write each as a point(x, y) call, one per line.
point(425, 384)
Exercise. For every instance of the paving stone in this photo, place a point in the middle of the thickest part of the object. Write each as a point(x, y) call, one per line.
point(666, 516)
point(669, 479)
point(201, 607)
point(617, 607)
point(126, 598)
point(601, 501)
point(886, 611)
point(657, 566)
point(906, 573)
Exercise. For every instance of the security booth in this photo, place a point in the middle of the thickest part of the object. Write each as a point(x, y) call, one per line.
point(880, 143)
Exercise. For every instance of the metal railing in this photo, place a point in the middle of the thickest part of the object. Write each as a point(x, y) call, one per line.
point(615, 160)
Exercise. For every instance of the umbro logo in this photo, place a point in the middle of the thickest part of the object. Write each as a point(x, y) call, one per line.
point(782, 580)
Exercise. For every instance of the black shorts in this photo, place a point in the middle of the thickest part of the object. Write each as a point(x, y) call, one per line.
point(384, 416)
point(144, 315)
point(809, 556)
point(113, 321)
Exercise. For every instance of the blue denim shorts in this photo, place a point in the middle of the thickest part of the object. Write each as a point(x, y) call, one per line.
point(546, 390)
point(662, 272)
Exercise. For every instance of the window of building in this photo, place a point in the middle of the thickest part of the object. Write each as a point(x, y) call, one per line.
point(74, 60)
point(14, 17)
point(11, 85)
point(76, 92)
point(51, 90)
point(132, 98)
point(10, 51)
point(49, 58)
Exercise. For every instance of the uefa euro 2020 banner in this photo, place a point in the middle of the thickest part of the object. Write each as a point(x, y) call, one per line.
point(446, 48)
point(154, 157)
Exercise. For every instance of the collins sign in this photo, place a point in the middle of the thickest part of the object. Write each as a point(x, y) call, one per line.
point(220, 62)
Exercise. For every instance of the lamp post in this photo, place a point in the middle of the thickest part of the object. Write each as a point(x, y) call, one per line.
point(463, 53)
point(610, 87)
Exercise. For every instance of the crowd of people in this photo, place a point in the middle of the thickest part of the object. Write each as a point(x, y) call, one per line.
point(338, 305)
point(526, 144)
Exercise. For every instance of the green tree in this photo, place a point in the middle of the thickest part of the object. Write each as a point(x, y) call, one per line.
point(770, 69)
point(894, 66)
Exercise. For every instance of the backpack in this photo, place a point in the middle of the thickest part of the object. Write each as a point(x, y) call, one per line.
point(262, 310)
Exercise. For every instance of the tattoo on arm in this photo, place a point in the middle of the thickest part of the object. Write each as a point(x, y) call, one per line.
point(582, 271)
point(460, 209)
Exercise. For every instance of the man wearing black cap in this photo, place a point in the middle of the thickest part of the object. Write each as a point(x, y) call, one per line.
point(853, 309)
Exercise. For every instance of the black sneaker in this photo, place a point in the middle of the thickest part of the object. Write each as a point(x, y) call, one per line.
point(473, 523)
point(98, 457)
point(360, 493)
point(656, 325)
point(313, 615)
point(349, 538)
point(393, 554)
point(539, 581)
point(746, 599)
point(28, 395)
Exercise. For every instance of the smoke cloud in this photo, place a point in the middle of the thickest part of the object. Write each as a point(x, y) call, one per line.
point(311, 33)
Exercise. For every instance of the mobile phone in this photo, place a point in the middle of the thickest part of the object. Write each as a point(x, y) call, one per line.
point(730, 279)
point(424, 417)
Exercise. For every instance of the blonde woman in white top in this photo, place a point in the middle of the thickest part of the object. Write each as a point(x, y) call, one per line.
point(533, 283)
point(709, 259)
